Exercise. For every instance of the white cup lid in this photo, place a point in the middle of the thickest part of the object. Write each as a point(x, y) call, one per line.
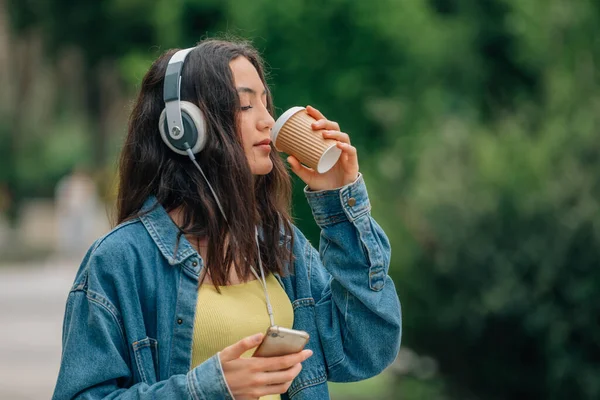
point(282, 120)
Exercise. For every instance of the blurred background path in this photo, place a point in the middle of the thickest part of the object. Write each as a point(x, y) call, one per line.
point(32, 302)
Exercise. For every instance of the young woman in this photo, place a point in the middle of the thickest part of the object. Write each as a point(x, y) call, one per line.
point(169, 304)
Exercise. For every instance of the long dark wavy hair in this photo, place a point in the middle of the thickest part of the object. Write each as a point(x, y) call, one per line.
point(148, 167)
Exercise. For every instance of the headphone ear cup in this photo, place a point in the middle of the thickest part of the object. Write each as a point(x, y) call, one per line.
point(194, 129)
point(199, 124)
point(162, 128)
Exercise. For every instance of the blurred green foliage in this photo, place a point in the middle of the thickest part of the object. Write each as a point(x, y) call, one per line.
point(477, 127)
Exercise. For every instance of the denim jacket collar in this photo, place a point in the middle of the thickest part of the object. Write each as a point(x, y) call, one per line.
point(164, 232)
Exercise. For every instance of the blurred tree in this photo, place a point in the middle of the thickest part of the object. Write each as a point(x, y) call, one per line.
point(105, 32)
point(65, 23)
point(498, 263)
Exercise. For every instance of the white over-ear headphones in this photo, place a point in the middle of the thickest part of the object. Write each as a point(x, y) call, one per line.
point(182, 124)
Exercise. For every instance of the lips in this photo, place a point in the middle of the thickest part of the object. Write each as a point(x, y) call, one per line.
point(264, 142)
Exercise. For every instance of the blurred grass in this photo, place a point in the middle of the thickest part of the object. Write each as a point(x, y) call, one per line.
point(374, 388)
point(384, 387)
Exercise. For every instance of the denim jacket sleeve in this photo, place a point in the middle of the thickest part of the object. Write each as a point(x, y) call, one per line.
point(96, 362)
point(357, 307)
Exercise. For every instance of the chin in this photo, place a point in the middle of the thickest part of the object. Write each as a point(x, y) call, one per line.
point(262, 168)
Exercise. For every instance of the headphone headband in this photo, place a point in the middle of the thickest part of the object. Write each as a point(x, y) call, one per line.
point(172, 93)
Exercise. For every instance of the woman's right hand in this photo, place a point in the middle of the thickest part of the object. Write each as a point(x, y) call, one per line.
point(254, 377)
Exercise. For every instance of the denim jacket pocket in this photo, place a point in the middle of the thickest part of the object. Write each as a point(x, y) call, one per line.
point(146, 360)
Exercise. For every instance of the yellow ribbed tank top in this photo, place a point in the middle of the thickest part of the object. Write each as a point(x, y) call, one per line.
point(238, 311)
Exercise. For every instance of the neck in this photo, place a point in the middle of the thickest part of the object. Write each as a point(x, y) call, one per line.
point(198, 242)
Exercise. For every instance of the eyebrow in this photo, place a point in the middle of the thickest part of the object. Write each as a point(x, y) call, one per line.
point(243, 89)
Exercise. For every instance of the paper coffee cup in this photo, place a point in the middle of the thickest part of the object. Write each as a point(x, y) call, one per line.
point(293, 135)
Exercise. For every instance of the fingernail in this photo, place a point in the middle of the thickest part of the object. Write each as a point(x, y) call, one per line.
point(256, 338)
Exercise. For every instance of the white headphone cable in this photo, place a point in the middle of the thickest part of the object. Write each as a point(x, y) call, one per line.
point(193, 158)
point(262, 281)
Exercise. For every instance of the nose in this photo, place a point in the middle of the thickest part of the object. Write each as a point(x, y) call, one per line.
point(266, 120)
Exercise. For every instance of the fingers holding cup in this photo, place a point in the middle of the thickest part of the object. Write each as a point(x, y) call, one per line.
point(326, 124)
point(349, 157)
point(321, 122)
point(313, 112)
point(348, 160)
point(336, 135)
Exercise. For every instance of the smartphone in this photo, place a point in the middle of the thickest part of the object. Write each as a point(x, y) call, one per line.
point(280, 341)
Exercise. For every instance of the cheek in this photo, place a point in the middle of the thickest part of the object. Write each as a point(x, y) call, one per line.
point(246, 134)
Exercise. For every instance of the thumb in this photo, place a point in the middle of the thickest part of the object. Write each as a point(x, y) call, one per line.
point(237, 349)
point(306, 174)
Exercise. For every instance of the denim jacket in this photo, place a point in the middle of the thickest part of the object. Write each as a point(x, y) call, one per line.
point(129, 318)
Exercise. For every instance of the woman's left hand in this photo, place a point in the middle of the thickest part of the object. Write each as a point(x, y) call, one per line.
point(345, 171)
